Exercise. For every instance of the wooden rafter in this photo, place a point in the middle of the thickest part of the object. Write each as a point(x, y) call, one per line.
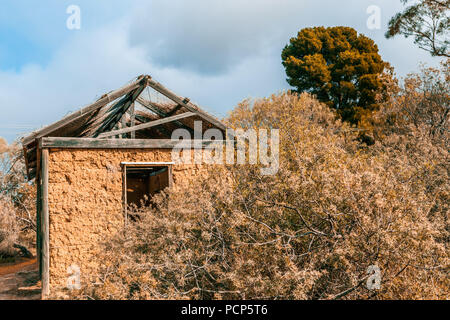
point(105, 99)
point(189, 106)
point(133, 120)
point(150, 106)
point(118, 110)
point(161, 130)
point(147, 125)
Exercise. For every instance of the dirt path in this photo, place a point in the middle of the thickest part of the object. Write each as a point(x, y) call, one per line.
point(19, 281)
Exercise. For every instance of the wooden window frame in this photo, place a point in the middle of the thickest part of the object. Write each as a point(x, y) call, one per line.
point(125, 165)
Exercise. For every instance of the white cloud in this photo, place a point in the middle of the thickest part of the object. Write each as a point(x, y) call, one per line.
point(79, 71)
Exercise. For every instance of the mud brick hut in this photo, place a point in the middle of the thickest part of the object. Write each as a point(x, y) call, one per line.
point(93, 163)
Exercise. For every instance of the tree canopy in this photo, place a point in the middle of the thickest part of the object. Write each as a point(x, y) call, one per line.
point(338, 65)
point(428, 22)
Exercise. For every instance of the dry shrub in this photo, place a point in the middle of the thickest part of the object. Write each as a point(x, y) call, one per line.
point(196, 244)
point(17, 202)
point(335, 207)
point(9, 229)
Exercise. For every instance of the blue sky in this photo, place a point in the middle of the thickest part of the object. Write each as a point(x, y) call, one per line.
point(216, 52)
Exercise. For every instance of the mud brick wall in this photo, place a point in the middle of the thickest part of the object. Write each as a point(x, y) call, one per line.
point(85, 202)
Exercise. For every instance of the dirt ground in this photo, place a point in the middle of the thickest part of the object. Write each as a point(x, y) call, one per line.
point(19, 280)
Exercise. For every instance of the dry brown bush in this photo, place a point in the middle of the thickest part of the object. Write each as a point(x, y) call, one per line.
point(17, 202)
point(9, 229)
point(335, 207)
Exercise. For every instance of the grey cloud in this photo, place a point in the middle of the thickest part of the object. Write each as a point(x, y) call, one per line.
point(210, 37)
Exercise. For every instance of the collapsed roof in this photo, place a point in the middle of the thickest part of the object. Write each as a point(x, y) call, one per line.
point(142, 109)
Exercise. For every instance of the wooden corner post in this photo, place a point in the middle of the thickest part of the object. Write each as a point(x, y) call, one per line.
point(124, 194)
point(45, 226)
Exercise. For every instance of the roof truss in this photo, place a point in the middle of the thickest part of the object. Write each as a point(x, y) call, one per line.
point(146, 125)
point(125, 114)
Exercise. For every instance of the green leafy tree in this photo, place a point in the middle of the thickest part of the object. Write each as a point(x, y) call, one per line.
point(338, 65)
point(428, 21)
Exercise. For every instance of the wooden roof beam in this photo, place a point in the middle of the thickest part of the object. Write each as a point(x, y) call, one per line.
point(118, 110)
point(189, 106)
point(150, 106)
point(91, 143)
point(147, 104)
point(105, 99)
point(147, 125)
